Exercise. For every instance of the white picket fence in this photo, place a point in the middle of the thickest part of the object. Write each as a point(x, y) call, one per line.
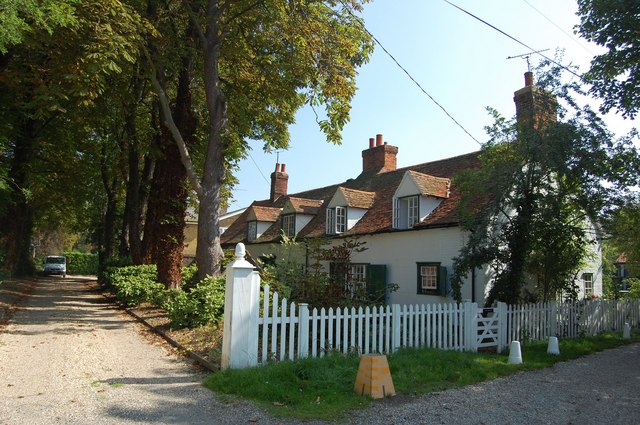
point(274, 329)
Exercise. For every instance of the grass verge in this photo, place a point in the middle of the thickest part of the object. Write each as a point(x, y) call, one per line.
point(322, 388)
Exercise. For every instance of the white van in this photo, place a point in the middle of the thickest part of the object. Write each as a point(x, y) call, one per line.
point(55, 264)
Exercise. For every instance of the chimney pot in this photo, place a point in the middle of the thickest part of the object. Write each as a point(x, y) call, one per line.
point(283, 167)
point(372, 142)
point(528, 78)
point(378, 139)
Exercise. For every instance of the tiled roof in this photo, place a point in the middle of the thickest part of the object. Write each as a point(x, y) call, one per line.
point(268, 214)
point(379, 217)
point(358, 198)
point(430, 185)
point(305, 206)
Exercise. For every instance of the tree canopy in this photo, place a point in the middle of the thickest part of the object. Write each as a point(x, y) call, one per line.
point(615, 74)
point(535, 204)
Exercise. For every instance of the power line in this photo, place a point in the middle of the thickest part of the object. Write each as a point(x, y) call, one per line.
point(513, 38)
point(410, 76)
point(259, 170)
point(560, 28)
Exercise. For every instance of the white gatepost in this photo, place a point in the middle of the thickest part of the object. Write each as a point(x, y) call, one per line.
point(471, 327)
point(303, 331)
point(395, 328)
point(502, 326)
point(241, 304)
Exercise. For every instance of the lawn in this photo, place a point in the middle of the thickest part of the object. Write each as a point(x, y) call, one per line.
point(323, 388)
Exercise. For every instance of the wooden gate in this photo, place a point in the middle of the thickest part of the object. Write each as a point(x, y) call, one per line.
point(490, 328)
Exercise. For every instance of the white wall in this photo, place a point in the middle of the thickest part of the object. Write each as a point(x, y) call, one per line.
point(401, 251)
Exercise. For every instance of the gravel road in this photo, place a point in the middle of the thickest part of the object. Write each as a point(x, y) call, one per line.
point(67, 356)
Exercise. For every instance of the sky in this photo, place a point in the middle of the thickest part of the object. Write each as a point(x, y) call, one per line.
point(459, 61)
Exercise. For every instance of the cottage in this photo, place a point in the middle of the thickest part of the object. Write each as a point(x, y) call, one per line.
point(407, 218)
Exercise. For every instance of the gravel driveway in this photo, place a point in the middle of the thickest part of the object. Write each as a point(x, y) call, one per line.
point(69, 357)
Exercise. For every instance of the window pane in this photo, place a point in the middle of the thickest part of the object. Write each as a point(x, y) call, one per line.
point(587, 280)
point(331, 221)
point(413, 210)
point(252, 231)
point(289, 225)
point(429, 277)
point(341, 219)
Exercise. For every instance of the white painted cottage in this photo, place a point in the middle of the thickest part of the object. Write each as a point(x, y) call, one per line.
point(407, 218)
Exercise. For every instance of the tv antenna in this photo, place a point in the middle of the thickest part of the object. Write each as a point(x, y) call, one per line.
point(527, 56)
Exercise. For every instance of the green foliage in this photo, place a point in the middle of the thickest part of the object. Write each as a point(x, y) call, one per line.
point(319, 274)
point(615, 74)
point(623, 229)
point(634, 288)
point(81, 263)
point(533, 205)
point(322, 388)
point(134, 285)
point(200, 305)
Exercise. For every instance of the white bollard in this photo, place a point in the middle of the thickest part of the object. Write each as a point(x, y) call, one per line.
point(515, 357)
point(626, 333)
point(553, 347)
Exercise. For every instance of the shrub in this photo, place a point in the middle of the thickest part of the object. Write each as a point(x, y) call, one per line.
point(135, 285)
point(81, 263)
point(200, 305)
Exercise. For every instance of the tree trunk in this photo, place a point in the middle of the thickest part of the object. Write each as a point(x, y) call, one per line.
point(16, 227)
point(208, 250)
point(172, 178)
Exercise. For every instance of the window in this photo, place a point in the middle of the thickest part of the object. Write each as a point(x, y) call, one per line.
point(289, 224)
point(356, 283)
point(331, 221)
point(432, 279)
point(406, 212)
point(413, 210)
point(341, 219)
point(336, 220)
point(587, 282)
point(252, 231)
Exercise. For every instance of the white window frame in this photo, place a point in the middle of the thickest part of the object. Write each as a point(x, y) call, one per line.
point(331, 221)
point(587, 284)
point(413, 211)
point(429, 277)
point(341, 220)
point(396, 213)
point(289, 225)
point(252, 230)
point(357, 280)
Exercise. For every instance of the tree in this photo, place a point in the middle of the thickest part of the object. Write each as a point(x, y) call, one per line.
point(48, 72)
point(260, 63)
point(542, 183)
point(623, 230)
point(615, 75)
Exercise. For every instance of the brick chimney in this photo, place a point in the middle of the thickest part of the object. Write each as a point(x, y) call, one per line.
point(279, 182)
point(534, 106)
point(380, 157)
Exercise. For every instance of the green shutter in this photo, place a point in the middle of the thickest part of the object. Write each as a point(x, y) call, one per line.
point(377, 282)
point(442, 282)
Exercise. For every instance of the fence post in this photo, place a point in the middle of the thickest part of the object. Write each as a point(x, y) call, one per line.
point(502, 326)
point(471, 327)
point(241, 304)
point(553, 323)
point(303, 330)
point(395, 325)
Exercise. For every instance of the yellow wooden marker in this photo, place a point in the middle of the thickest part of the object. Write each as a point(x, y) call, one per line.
point(374, 377)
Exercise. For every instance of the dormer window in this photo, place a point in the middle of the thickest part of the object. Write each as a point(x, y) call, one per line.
point(252, 231)
point(406, 212)
point(336, 220)
point(416, 197)
point(346, 208)
point(289, 225)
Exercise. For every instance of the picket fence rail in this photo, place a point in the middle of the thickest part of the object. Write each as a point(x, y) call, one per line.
point(272, 329)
